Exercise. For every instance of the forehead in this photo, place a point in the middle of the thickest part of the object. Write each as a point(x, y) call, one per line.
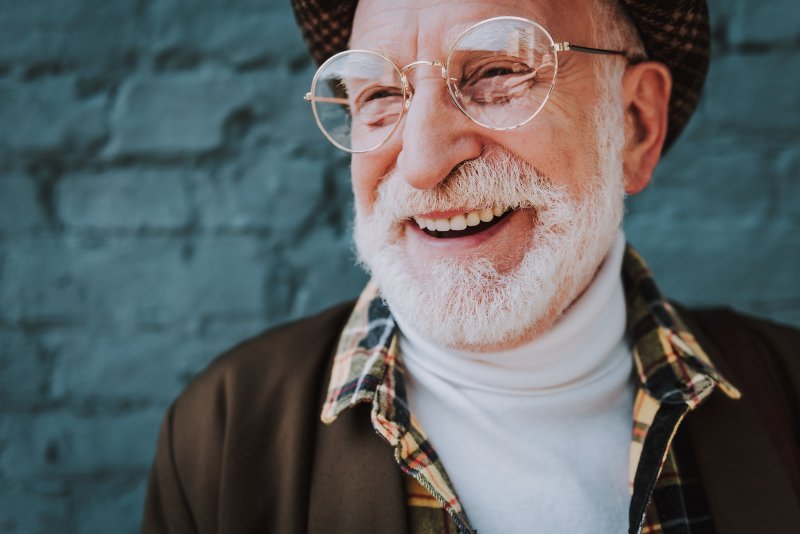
point(427, 27)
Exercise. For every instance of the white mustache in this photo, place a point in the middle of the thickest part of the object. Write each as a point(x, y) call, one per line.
point(496, 179)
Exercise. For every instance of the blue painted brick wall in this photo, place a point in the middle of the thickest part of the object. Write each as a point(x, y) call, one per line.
point(164, 193)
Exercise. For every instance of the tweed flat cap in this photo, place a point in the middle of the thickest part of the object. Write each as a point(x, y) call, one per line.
point(674, 32)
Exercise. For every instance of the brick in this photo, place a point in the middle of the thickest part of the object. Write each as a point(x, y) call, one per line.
point(33, 283)
point(226, 277)
point(290, 120)
point(23, 375)
point(179, 112)
point(129, 198)
point(55, 445)
point(340, 280)
point(150, 280)
point(114, 506)
point(69, 32)
point(34, 509)
point(729, 260)
point(266, 190)
point(719, 11)
point(137, 364)
point(787, 168)
point(766, 22)
point(47, 114)
point(714, 178)
point(19, 205)
point(755, 94)
point(237, 33)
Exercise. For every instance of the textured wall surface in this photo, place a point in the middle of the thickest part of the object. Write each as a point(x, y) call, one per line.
point(164, 193)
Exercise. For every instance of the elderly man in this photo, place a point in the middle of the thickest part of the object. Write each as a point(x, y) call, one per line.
point(512, 366)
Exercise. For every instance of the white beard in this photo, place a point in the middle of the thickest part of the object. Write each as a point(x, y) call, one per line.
point(465, 302)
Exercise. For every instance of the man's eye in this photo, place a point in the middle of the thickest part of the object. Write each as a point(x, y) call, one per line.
point(378, 106)
point(379, 101)
point(382, 93)
point(499, 83)
point(378, 94)
point(495, 70)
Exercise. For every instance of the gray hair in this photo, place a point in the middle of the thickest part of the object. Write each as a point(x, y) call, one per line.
point(613, 28)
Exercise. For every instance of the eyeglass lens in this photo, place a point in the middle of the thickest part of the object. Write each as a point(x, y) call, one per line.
point(499, 73)
point(358, 99)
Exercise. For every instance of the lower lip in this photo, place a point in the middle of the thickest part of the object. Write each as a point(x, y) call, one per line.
point(453, 244)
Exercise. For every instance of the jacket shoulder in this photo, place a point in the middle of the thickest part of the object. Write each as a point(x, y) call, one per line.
point(275, 360)
point(728, 331)
point(236, 441)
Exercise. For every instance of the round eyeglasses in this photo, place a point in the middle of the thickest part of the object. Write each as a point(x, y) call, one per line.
point(499, 72)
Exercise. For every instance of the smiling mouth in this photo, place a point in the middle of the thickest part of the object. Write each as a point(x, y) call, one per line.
point(464, 224)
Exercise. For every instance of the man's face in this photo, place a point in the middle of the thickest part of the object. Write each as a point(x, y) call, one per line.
point(556, 183)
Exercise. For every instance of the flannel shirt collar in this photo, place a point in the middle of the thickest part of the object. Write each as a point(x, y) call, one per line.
point(671, 366)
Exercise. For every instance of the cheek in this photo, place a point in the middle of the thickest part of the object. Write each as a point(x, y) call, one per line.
point(574, 141)
point(364, 182)
point(367, 171)
point(562, 151)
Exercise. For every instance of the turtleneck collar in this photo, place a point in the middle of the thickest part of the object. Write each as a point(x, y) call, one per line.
point(577, 350)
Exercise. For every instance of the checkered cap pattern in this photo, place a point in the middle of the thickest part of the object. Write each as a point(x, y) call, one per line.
point(675, 32)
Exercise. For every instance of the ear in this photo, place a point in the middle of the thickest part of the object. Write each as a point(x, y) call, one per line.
point(646, 88)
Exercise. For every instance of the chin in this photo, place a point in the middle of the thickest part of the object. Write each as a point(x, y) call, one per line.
point(467, 303)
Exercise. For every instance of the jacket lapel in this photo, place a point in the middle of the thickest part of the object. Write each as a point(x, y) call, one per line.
point(356, 486)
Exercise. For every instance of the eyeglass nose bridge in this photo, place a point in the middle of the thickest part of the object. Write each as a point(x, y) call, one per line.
point(407, 86)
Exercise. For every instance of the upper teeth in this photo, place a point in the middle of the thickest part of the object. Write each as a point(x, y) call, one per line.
point(460, 221)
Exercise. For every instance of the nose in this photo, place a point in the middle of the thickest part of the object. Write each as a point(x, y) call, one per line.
point(435, 135)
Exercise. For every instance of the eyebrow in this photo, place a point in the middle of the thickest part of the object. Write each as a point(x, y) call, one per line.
point(454, 32)
point(449, 39)
point(383, 49)
point(345, 68)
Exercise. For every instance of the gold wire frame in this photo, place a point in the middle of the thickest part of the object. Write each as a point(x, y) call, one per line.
point(310, 98)
point(563, 46)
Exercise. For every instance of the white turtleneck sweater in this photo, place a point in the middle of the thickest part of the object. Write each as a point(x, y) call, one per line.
point(535, 439)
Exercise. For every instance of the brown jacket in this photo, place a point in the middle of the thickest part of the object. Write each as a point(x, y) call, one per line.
point(243, 449)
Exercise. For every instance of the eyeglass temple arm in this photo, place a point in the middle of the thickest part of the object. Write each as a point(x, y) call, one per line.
point(567, 46)
point(308, 97)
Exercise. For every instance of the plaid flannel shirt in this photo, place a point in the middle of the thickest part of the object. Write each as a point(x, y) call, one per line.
point(674, 376)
